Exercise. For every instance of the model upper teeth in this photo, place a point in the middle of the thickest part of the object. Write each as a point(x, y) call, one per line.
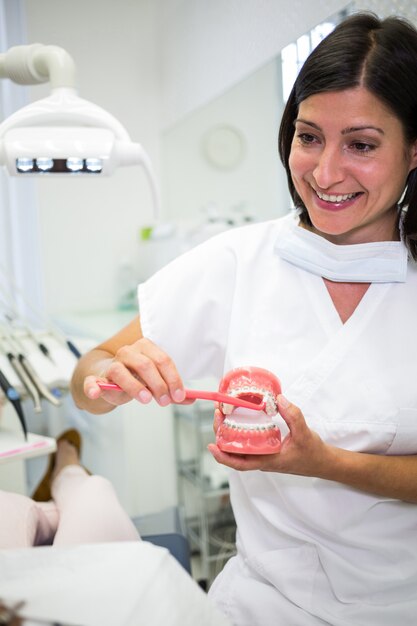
point(268, 397)
point(334, 198)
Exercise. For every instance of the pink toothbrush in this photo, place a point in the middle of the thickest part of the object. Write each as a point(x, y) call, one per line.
point(204, 395)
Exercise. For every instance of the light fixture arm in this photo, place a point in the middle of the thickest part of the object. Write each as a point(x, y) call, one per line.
point(36, 63)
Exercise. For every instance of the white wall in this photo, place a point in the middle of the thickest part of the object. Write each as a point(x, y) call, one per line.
point(253, 107)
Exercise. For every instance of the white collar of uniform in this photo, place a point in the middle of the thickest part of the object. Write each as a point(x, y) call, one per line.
point(375, 262)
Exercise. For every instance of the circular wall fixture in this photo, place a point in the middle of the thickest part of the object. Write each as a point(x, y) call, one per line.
point(224, 147)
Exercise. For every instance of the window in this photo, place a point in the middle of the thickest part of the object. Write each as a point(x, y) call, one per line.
point(294, 55)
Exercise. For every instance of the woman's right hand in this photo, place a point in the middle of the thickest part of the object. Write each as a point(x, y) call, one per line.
point(143, 371)
point(139, 367)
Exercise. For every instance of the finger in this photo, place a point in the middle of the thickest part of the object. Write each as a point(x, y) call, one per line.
point(91, 388)
point(155, 369)
point(218, 418)
point(292, 415)
point(93, 391)
point(240, 462)
point(139, 377)
point(117, 372)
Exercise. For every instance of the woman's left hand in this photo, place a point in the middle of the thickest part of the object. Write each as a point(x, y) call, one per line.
point(302, 451)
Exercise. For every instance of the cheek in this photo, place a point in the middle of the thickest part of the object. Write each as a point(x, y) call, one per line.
point(298, 170)
point(299, 163)
point(292, 160)
point(294, 165)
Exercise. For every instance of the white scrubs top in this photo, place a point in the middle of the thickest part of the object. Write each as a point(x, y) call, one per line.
point(310, 551)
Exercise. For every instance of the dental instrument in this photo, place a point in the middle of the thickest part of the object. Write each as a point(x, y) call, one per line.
point(198, 394)
point(44, 391)
point(15, 400)
point(23, 376)
point(51, 396)
point(42, 347)
point(14, 316)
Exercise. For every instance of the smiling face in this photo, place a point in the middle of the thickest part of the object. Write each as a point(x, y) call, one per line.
point(349, 163)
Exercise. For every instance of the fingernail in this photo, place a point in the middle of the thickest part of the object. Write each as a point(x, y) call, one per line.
point(283, 402)
point(144, 396)
point(178, 395)
point(164, 400)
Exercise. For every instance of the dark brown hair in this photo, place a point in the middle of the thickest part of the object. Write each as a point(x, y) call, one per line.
point(380, 55)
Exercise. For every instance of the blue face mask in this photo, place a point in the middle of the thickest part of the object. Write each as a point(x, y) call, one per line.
point(376, 262)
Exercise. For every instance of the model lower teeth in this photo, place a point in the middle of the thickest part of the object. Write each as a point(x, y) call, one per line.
point(242, 426)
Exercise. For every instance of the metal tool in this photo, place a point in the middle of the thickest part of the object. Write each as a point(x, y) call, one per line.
point(16, 351)
point(26, 381)
point(15, 400)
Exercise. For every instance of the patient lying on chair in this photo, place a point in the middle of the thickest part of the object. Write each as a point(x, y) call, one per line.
point(69, 506)
point(91, 567)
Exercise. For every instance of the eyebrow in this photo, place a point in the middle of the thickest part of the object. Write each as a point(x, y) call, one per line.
point(345, 131)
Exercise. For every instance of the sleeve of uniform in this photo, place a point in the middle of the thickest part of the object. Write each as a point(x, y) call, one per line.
point(185, 307)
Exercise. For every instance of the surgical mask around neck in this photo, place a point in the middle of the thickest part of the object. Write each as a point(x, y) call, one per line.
point(375, 262)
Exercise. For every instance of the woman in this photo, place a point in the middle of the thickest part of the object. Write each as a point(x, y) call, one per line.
point(325, 298)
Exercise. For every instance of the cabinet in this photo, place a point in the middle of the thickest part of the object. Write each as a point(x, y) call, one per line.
point(203, 490)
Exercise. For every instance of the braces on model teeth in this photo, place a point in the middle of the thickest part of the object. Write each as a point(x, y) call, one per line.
point(270, 404)
point(244, 427)
point(244, 430)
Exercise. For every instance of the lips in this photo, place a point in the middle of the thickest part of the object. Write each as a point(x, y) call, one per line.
point(247, 431)
point(335, 201)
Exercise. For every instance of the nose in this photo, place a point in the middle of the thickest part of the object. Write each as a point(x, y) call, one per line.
point(329, 168)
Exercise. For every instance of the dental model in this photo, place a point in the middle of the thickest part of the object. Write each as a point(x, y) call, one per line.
point(243, 430)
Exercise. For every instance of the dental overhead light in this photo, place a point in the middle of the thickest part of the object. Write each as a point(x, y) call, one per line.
point(62, 134)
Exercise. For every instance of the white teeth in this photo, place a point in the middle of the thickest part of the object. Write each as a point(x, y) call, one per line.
point(249, 427)
point(334, 198)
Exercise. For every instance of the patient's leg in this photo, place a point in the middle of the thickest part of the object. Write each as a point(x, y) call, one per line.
point(25, 523)
point(89, 510)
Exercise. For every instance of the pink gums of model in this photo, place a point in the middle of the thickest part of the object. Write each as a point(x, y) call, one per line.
point(245, 431)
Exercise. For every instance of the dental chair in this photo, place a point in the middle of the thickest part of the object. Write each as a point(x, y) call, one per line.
point(177, 545)
point(165, 529)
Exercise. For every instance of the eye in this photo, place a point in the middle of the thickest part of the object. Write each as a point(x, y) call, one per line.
point(306, 138)
point(362, 147)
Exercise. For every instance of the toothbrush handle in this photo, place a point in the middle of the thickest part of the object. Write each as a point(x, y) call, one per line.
point(222, 397)
point(197, 394)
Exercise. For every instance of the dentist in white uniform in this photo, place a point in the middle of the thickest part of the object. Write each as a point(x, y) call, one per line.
point(326, 298)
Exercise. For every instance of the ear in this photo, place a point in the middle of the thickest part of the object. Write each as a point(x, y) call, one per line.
point(413, 155)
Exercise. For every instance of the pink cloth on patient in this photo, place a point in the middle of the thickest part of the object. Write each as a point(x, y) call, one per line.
point(85, 509)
